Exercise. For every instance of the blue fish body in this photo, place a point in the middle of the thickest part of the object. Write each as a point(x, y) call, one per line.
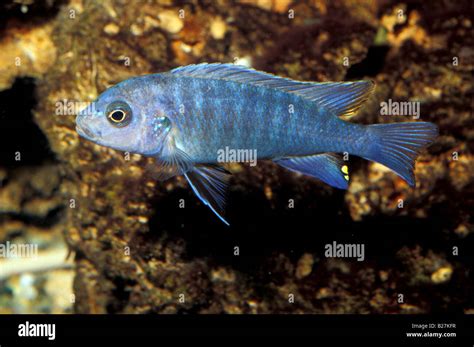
point(185, 118)
point(220, 113)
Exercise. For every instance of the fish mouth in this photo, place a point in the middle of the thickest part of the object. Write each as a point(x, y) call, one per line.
point(84, 132)
point(83, 129)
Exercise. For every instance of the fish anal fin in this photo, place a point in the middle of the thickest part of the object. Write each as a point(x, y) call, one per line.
point(327, 167)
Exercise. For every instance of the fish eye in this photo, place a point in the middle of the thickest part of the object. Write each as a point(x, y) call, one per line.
point(117, 116)
point(119, 113)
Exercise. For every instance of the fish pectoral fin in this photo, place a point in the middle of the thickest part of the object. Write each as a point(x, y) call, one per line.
point(177, 163)
point(209, 183)
point(327, 167)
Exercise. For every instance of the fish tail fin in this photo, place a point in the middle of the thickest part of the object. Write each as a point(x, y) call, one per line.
point(397, 145)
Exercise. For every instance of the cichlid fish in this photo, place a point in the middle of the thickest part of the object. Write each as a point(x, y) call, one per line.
point(187, 116)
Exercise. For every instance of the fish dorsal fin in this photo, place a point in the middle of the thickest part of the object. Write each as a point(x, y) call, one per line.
point(343, 99)
point(340, 98)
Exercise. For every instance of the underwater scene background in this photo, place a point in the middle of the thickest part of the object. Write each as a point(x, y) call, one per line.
point(105, 236)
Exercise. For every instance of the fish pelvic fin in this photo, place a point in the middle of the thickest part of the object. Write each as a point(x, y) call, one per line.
point(397, 146)
point(209, 183)
point(327, 167)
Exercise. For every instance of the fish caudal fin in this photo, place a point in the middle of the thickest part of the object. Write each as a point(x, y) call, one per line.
point(326, 167)
point(397, 146)
point(209, 183)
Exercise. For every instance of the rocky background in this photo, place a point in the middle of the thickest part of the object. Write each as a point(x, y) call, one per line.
point(119, 240)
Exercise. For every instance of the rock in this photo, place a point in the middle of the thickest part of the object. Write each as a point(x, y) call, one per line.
point(111, 29)
point(279, 6)
point(442, 275)
point(26, 52)
point(136, 30)
point(305, 266)
point(170, 21)
point(218, 28)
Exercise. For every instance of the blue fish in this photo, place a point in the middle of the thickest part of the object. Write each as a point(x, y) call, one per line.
point(186, 117)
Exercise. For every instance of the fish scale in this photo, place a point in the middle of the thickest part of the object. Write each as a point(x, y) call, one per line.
point(257, 113)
